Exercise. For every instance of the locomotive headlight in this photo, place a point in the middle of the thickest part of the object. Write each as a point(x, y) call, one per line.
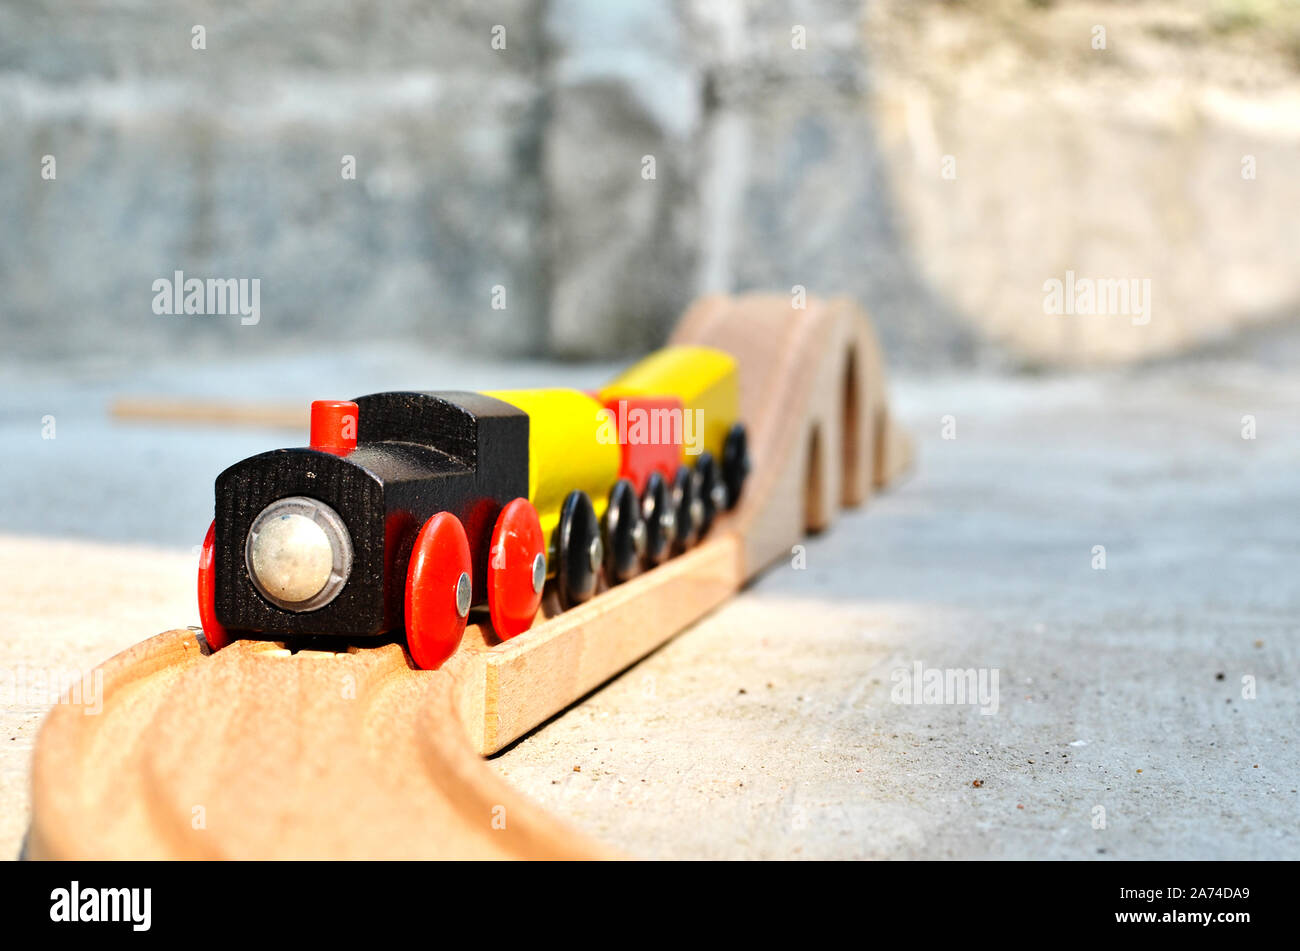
point(298, 553)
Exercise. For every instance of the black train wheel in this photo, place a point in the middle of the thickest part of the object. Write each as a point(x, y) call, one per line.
point(688, 508)
point(659, 518)
point(624, 533)
point(578, 549)
point(735, 463)
point(713, 493)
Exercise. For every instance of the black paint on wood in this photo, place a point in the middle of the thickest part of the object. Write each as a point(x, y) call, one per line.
point(417, 454)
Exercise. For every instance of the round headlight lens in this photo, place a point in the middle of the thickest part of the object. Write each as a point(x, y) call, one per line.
point(298, 553)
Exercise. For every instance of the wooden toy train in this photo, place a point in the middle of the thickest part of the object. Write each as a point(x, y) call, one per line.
point(409, 509)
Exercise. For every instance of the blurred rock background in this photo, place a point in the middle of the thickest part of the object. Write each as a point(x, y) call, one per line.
point(561, 177)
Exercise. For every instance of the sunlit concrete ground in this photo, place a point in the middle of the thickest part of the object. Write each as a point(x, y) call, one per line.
point(1124, 727)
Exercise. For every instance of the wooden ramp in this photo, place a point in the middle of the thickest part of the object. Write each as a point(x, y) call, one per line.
point(254, 752)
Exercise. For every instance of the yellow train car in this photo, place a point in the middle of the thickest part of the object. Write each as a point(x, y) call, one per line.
point(565, 451)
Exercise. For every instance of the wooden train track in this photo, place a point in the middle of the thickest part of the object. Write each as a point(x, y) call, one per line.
point(257, 752)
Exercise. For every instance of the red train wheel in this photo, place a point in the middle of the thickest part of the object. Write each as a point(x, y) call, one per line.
point(438, 591)
point(516, 569)
point(216, 635)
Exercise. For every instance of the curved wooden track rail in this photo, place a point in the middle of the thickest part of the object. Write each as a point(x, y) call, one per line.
point(254, 752)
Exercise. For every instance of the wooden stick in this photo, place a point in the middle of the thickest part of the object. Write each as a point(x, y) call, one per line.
point(208, 412)
point(257, 752)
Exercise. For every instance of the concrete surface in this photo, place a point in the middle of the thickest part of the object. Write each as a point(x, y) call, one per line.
point(769, 730)
point(793, 144)
point(227, 161)
point(1166, 156)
